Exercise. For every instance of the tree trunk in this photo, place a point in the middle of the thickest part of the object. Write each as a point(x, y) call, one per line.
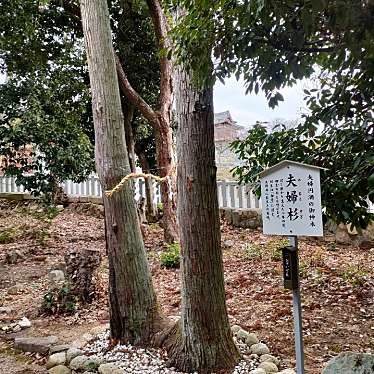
point(134, 313)
point(151, 211)
point(166, 165)
point(130, 142)
point(81, 266)
point(203, 341)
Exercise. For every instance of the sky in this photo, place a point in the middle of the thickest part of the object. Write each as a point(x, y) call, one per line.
point(247, 109)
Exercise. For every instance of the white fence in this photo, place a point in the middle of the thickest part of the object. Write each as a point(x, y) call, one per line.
point(230, 194)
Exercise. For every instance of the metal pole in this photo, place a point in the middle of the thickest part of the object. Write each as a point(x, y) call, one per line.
point(296, 301)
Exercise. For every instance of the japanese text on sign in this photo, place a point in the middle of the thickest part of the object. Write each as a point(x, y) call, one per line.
point(291, 201)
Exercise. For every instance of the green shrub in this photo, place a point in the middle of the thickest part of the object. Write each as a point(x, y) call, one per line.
point(59, 301)
point(354, 275)
point(6, 236)
point(254, 251)
point(171, 257)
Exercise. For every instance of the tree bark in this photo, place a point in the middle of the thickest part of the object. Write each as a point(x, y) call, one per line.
point(203, 341)
point(134, 314)
point(151, 211)
point(130, 142)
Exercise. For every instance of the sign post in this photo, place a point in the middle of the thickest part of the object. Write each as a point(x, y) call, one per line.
point(291, 206)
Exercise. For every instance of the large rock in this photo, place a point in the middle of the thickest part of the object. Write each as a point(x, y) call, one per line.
point(72, 353)
point(235, 329)
point(59, 348)
point(78, 363)
point(251, 339)
point(39, 345)
point(5, 310)
point(260, 349)
point(92, 363)
point(110, 368)
point(56, 276)
point(24, 323)
point(60, 369)
point(270, 358)
point(350, 363)
point(56, 359)
point(242, 335)
point(342, 236)
point(257, 371)
point(269, 367)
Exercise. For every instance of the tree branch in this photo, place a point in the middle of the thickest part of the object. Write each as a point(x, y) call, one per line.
point(134, 98)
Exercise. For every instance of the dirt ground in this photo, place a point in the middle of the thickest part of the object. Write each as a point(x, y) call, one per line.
point(337, 286)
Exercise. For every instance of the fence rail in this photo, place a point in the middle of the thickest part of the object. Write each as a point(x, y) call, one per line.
point(230, 193)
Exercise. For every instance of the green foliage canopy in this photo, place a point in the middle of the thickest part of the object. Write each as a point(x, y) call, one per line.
point(44, 102)
point(347, 151)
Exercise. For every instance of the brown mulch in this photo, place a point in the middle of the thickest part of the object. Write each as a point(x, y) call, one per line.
point(337, 285)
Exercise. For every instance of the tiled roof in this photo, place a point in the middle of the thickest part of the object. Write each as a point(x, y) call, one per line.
point(222, 117)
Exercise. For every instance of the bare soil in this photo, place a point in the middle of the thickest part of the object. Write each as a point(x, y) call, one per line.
point(337, 286)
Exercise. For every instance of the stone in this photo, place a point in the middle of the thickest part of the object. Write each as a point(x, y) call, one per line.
point(36, 344)
point(110, 368)
point(82, 341)
point(342, 236)
point(235, 329)
point(72, 353)
point(251, 339)
point(78, 363)
point(242, 335)
point(5, 310)
point(56, 276)
point(59, 369)
point(260, 349)
point(269, 367)
point(287, 371)
point(92, 363)
point(228, 244)
point(257, 371)
point(60, 208)
point(350, 363)
point(16, 328)
point(11, 257)
point(24, 323)
point(59, 348)
point(270, 358)
point(56, 359)
point(13, 290)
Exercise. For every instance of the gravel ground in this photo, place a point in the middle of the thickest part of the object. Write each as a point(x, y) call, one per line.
point(144, 361)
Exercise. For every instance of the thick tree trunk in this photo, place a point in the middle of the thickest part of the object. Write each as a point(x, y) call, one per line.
point(130, 142)
point(203, 341)
point(134, 313)
point(151, 210)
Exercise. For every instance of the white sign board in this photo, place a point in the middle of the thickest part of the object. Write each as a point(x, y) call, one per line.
point(291, 200)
